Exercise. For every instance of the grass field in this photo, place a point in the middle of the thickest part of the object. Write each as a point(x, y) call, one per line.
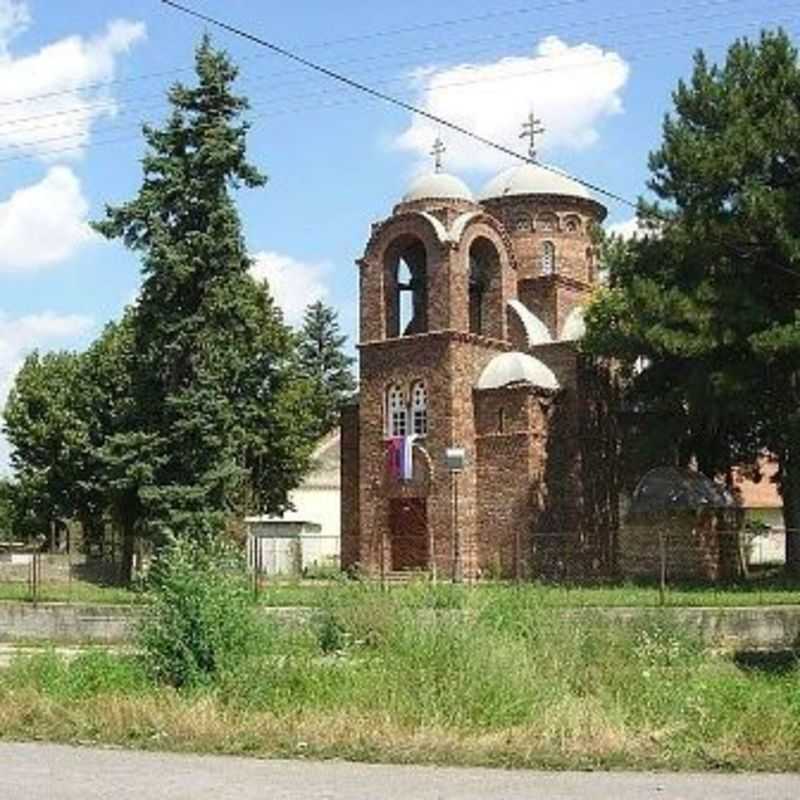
point(75, 592)
point(767, 591)
point(507, 684)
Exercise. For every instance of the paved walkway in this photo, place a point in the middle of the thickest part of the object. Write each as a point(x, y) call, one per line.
point(53, 772)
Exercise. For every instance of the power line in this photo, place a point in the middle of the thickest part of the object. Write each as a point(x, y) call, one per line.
point(90, 111)
point(413, 109)
point(378, 94)
point(435, 46)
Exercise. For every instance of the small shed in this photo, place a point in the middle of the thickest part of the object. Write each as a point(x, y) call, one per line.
point(681, 522)
point(308, 535)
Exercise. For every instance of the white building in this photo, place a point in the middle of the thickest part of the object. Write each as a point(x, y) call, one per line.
point(308, 536)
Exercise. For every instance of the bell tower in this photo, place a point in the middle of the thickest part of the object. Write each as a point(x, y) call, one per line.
point(434, 280)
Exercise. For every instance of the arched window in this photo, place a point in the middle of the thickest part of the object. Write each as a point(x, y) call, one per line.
point(485, 289)
point(573, 223)
point(478, 284)
point(396, 412)
point(590, 264)
point(548, 258)
point(419, 409)
point(407, 288)
point(547, 222)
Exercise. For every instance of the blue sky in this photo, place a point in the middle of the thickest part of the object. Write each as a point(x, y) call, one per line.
point(77, 80)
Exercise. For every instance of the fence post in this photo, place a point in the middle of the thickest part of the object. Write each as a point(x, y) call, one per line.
point(662, 583)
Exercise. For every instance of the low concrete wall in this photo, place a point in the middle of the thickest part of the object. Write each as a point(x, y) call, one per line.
point(66, 623)
point(735, 628)
point(742, 628)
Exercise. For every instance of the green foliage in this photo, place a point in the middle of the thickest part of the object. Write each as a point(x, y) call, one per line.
point(219, 423)
point(45, 423)
point(711, 296)
point(199, 618)
point(472, 676)
point(323, 360)
point(6, 510)
point(88, 674)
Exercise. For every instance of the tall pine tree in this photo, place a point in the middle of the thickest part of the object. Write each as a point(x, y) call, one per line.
point(324, 361)
point(221, 414)
point(712, 297)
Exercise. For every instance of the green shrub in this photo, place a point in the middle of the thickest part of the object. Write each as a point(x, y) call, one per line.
point(90, 673)
point(199, 613)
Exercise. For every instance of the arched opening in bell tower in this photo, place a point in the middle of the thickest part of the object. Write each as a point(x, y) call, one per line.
point(406, 294)
point(485, 291)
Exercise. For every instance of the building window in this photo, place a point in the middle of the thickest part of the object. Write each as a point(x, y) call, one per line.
point(547, 222)
point(419, 409)
point(548, 258)
point(501, 420)
point(523, 223)
point(573, 224)
point(396, 412)
point(477, 293)
point(590, 264)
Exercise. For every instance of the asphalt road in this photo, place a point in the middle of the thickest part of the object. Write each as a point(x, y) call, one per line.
point(53, 772)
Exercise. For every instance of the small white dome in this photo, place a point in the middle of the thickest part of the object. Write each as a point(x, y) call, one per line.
point(533, 179)
point(438, 185)
point(516, 367)
point(574, 325)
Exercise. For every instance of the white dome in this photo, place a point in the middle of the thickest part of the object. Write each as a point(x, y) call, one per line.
point(515, 367)
point(438, 185)
point(574, 325)
point(533, 179)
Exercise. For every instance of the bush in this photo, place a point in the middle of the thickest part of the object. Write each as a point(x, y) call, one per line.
point(199, 613)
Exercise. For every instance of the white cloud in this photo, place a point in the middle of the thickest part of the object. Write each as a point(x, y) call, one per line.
point(62, 109)
point(633, 228)
point(293, 284)
point(20, 335)
point(14, 18)
point(44, 223)
point(570, 88)
point(629, 229)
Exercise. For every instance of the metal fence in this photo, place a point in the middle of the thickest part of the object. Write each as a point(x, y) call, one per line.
point(28, 573)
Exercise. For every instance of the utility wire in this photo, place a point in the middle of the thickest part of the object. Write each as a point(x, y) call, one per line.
point(277, 109)
point(420, 112)
point(436, 47)
point(362, 87)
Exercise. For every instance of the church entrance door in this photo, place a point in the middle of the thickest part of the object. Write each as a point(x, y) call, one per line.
point(409, 532)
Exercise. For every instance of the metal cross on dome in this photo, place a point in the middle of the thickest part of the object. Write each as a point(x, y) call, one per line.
point(530, 130)
point(437, 153)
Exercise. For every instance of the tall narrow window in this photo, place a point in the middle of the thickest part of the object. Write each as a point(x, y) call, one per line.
point(548, 258)
point(407, 309)
point(477, 292)
point(396, 412)
point(419, 409)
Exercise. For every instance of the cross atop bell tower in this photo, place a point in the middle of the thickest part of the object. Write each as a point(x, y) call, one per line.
point(530, 130)
point(437, 152)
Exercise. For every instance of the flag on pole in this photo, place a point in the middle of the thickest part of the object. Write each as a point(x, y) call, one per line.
point(400, 457)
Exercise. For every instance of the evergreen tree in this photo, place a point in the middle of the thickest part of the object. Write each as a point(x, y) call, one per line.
point(323, 360)
point(220, 414)
point(711, 297)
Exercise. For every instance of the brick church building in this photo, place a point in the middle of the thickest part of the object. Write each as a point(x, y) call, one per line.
point(480, 443)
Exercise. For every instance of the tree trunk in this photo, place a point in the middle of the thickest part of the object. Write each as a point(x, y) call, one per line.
point(790, 489)
point(128, 531)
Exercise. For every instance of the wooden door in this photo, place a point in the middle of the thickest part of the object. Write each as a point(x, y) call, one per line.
point(409, 533)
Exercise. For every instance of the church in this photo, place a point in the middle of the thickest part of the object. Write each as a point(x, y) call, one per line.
point(480, 444)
